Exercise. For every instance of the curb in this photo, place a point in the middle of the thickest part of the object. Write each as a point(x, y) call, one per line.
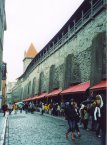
point(2, 137)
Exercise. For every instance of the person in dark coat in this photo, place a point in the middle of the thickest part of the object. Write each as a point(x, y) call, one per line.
point(26, 107)
point(4, 108)
point(70, 115)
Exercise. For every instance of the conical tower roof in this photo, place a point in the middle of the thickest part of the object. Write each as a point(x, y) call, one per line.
point(31, 53)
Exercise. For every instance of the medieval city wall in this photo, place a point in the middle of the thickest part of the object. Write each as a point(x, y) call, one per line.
point(71, 63)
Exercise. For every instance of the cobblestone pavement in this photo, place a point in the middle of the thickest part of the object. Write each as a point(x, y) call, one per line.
point(35, 129)
point(1, 122)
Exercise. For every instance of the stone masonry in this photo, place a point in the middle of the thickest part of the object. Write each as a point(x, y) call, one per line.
point(73, 62)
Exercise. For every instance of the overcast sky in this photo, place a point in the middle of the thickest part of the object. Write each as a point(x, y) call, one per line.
point(32, 21)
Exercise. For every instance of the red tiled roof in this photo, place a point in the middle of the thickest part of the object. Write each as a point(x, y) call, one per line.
point(54, 93)
point(80, 88)
point(31, 52)
point(99, 86)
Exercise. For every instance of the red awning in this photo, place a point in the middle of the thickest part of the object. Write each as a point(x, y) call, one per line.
point(34, 98)
point(24, 100)
point(80, 88)
point(41, 96)
point(100, 86)
point(54, 93)
point(27, 99)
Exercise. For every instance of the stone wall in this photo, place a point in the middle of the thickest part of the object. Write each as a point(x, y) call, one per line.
point(74, 62)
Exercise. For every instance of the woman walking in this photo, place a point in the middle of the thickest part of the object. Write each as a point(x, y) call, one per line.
point(77, 119)
point(70, 114)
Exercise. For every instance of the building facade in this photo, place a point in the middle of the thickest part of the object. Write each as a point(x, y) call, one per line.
point(76, 54)
point(10, 86)
point(2, 29)
point(4, 86)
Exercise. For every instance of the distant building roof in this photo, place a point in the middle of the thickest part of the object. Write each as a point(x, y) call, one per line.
point(31, 53)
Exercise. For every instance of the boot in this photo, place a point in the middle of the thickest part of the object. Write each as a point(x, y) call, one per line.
point(72, 136)
point(67, 135)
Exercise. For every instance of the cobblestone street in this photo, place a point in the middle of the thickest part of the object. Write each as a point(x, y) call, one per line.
point(35, 129)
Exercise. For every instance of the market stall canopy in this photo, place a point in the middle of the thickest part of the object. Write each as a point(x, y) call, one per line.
point(34, 98)
point(24, 100)
point(54, 93)
point(41, 96)
point(27, 99)
point(80, 88)
point(99, 86)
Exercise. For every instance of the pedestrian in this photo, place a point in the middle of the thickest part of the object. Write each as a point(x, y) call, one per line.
point(103, 121)
point(81, 114)
point(70, 114)
point(43, 107)
point(91, 112)
point(20, 108)
point(5, 109)
point(77, 119)
point(58, 109)
point(26, 107)
point(85, 118)
point(10, 108)
point(97, 114)
point(62, 108)
point(15, 108)
point(31, 107)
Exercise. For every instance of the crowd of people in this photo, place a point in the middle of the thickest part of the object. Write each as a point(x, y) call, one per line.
point(89, 116)
point(9, 108)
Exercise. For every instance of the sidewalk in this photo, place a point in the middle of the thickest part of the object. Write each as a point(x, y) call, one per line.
point(3, 121)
